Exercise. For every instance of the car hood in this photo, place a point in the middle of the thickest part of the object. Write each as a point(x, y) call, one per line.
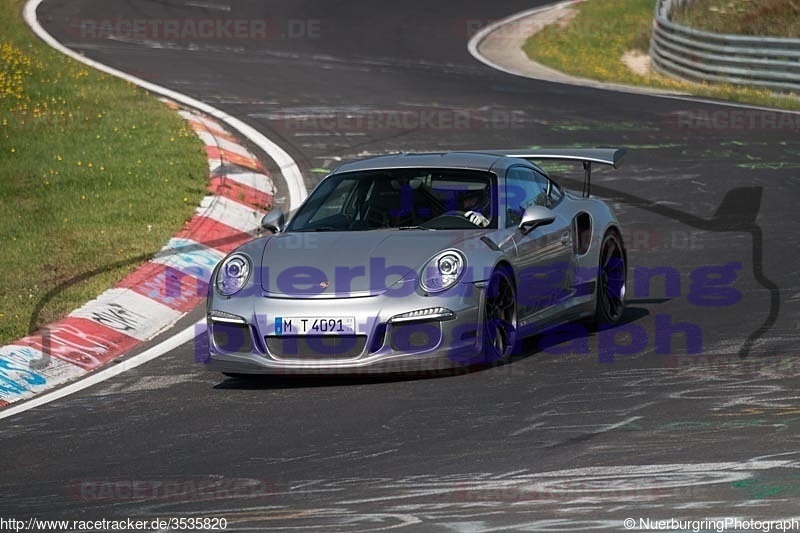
point(349, 264)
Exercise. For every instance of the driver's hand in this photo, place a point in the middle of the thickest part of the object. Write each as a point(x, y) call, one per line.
point(477, 219)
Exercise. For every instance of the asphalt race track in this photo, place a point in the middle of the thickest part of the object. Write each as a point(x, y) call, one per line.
point(569, 437)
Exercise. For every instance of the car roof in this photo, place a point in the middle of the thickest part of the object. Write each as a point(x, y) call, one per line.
point(463, 160)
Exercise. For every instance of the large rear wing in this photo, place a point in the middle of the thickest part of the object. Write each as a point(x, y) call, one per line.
point(604, 156)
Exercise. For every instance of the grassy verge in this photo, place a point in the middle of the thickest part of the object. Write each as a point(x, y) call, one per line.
point(93, 171)
point(592, 45)
point(775, 18)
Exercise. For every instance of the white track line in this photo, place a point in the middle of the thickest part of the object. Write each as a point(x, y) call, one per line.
point(288, 168)
point(114, 369)
point(475, 42)
point(287, 165)
point(478, 38)
point(612, 427)
point(207, 5)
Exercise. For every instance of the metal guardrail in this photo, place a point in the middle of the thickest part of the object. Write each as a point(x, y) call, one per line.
point(679, 51)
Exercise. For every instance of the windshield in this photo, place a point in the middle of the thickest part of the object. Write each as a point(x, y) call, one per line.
point(406, 198)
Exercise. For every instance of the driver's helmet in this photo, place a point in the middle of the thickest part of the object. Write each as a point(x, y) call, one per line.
point(475, 200)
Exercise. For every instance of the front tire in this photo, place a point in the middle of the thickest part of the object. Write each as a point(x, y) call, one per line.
point(500, 318)
point(611, 281)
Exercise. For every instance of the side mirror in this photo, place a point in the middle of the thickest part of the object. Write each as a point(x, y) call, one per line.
point(535, 216)
point(273, 220)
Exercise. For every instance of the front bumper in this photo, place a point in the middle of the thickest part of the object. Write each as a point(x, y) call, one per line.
point(393, 335)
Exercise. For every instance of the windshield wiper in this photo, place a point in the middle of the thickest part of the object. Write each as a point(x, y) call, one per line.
point(321, 228)
point(401, 228)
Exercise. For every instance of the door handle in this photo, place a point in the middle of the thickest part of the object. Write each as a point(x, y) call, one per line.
point(565, 238)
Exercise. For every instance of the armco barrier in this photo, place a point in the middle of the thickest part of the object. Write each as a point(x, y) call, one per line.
point(767, 62)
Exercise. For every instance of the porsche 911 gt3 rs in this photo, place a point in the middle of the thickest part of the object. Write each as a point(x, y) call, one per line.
point(413, 262)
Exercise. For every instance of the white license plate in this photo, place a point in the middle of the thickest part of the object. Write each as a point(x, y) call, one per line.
point(315, 325)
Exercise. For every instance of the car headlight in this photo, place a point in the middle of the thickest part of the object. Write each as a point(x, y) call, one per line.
point(233, 274)
point(442, 271)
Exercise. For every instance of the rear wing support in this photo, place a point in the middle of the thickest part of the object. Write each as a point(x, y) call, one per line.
point(587, 178)
point(604, 156)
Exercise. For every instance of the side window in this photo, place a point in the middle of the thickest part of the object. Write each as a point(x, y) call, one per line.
point(524, 188)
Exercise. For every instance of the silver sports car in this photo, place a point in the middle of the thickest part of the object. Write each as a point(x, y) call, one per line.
point(419, 262)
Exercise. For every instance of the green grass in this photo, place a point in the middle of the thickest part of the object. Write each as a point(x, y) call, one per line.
point(93, 171)
point(592, 44)
point(775, 18)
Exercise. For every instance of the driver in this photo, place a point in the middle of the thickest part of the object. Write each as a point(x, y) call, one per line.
point(474, 204)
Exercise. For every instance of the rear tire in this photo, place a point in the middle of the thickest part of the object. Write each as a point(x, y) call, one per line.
point(500, 318)
point(611, 281)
